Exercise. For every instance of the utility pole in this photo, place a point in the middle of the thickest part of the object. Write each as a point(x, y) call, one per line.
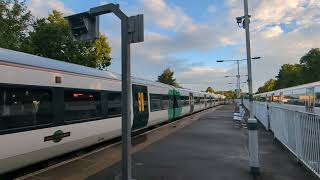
point(238, 68)
point(238, 81)
point(85, 26)
point(252, 122)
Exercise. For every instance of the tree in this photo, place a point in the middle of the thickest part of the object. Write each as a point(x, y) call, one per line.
point(311, 66)
point(167, 78)
point(228, 94)
point(51, 37)
point(15, 19)
point(270, 85)
point(289, 75)
point(210, 90)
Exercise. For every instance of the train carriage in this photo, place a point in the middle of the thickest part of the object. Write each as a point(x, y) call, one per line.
point(49, 108)
point(304, 98)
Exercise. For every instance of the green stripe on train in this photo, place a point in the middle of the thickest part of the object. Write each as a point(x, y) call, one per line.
point(173, 112)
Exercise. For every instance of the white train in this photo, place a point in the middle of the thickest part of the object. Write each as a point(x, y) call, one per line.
point(304, 98)
point(49, 108)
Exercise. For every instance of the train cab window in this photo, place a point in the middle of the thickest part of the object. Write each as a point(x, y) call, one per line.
point(114, 104)
point(81, 105)
point(155, 102)
point(25, 107)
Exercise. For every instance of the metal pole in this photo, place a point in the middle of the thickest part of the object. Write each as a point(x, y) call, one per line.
point(252, 122)
point(126, 101)
point(238, 81)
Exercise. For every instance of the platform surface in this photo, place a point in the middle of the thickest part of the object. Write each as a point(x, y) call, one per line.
point(205, 146)
point(211, 148)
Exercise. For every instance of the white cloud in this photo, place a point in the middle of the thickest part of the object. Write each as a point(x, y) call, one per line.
point(275, 44)
point(272, 32)
point(172, 17)
point(41, 8)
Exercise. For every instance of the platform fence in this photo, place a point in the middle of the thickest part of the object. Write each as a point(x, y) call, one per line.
point(298, 131)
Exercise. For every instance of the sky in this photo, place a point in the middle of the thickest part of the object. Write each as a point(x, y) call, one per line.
point(189, 36)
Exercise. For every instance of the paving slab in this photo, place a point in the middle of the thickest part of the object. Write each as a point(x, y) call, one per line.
point(211, 148)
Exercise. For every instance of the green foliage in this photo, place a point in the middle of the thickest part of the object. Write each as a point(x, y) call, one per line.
point(210, 90)
point(52, 38)
point(311, 66)
point(48, 37)
point(15, 19)
point(228, 94)
point(289, 76)
point(167, 78)
point(270, 85)
point(296, 74)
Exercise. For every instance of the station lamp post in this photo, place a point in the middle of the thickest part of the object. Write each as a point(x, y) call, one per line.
point(243, 22)
point(85, 26)
point(238, 69)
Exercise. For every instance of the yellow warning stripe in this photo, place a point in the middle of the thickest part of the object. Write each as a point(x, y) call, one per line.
point(139, 101)
point(142, 103)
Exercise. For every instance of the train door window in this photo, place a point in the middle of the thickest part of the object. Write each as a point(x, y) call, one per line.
point(114, 104)
point(310, 99)
point(186, 100)
point(155, 102)
point(281, 97)
point(81, 105)
point(176, 102)
point(165, 102)
point(317, 97)
point(25, 107)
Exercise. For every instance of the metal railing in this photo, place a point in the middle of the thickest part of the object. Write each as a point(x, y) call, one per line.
point(298, 131)
point(261, 113)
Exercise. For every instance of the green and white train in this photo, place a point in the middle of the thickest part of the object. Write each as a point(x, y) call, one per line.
point(49, 108)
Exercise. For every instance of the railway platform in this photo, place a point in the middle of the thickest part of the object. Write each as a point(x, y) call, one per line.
point(207, 146)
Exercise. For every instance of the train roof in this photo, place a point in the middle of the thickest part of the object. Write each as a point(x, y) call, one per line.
point(21, 58)
point(292, 88)
point(16, 57)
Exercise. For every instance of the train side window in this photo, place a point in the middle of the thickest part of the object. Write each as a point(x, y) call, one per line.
point(81, 105)
point(114, 104)
point(298, 97)
point(197, 100)
point(155, 102)
point(25, 107)
point(165, 102)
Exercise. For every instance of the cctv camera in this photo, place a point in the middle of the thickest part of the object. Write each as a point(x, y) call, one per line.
point(239, 19)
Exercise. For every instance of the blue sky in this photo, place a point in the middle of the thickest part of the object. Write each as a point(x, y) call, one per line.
point(189, 36)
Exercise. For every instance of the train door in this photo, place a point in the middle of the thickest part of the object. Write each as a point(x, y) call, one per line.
point(191, 100)
point(140, 106)
point(310, 99)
